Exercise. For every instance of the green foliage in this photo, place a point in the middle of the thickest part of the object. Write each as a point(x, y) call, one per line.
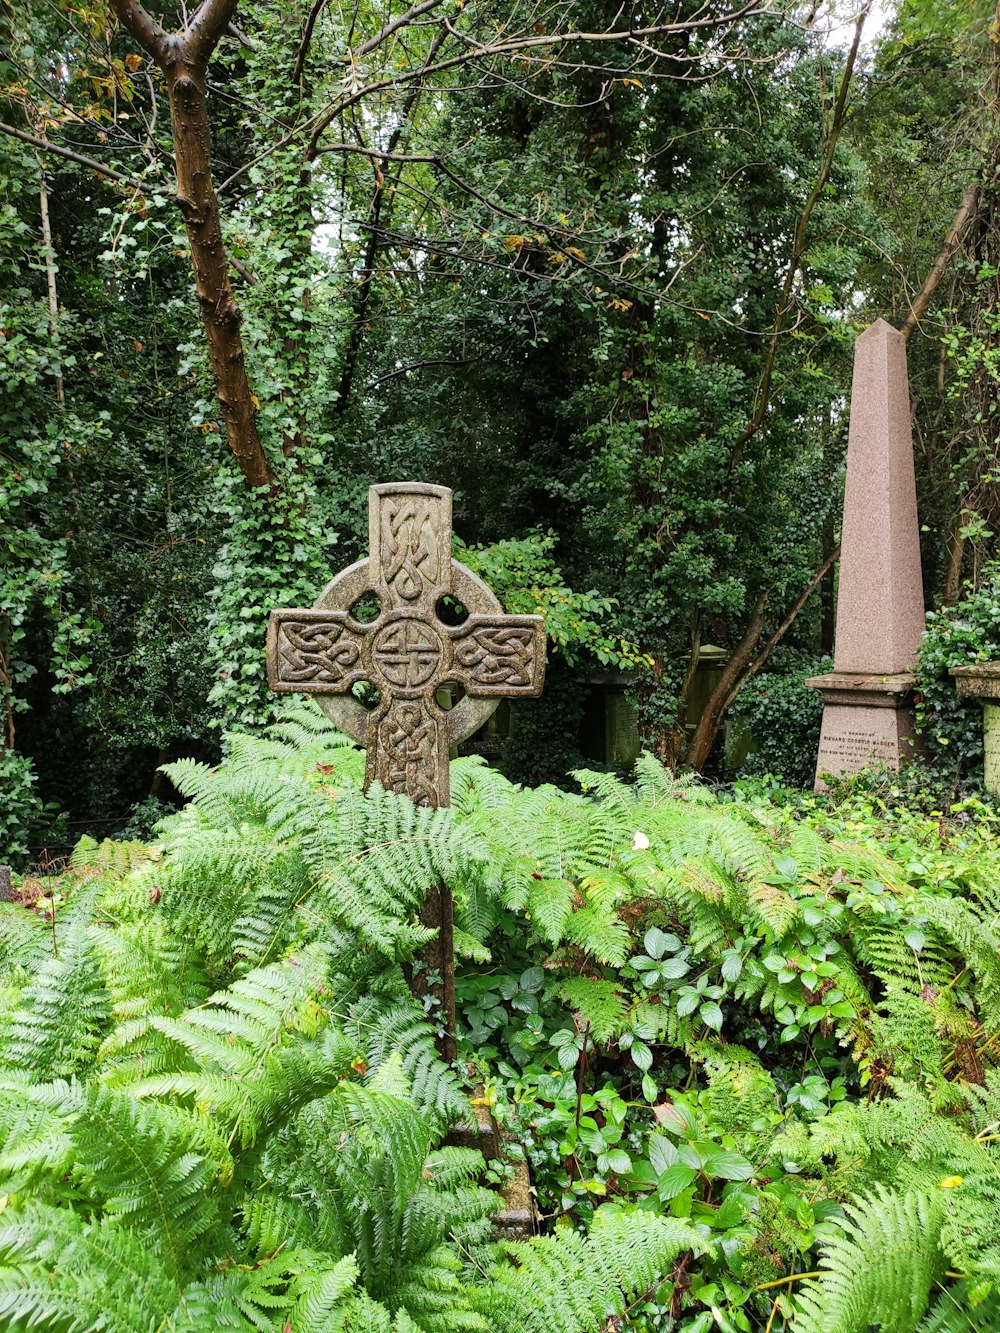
point(525, 577)
point(737, 1040)
point(783, 716)
point(959, 635)
point(880, 1262)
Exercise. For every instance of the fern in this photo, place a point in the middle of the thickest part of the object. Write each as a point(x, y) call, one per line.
point(570, 1284)
point(63, 1013)
point(880, 1262)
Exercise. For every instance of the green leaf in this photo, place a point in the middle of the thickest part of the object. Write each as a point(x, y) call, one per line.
point(675, 1179)
point(732, 965)
point(711, 1015)
point(728, 1166)
point(642, 1056)
point(662, 1153)
point(657, 942)
point(617, 1161)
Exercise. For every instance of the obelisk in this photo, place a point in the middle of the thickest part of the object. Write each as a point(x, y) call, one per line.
point(868, 714)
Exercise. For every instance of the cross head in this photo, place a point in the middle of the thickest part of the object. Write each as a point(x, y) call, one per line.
point(408, 652)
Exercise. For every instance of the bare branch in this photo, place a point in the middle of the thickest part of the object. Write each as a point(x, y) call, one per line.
point(70, 156)
point(416, 365)
point(143, 27)
point(636, 37)
point(960, 225)
point(413, 12)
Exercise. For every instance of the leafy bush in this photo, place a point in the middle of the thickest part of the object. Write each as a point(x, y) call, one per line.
point(956, 636)
point(784, 716)
point(748, 1045)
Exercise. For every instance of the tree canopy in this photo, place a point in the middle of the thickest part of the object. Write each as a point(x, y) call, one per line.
point(599, 268)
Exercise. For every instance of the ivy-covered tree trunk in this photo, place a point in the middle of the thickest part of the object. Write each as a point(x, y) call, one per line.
point(183, 57)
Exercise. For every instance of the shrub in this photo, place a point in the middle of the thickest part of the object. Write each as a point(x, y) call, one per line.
point(784, 716)
point(956, 635)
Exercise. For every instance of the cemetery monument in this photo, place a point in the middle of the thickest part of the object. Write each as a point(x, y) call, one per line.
point(868, 714)
point(409, 654)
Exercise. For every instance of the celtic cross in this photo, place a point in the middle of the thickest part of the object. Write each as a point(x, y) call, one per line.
point(408, 653)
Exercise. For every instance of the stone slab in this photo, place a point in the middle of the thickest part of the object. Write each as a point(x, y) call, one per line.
point(856, 735)
point(864, 688)
point(981, 680)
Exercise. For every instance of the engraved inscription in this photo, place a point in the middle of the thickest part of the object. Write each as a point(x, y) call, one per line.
point(498, 656)
point(410, 546)
point(314, 653)
point(857, 747)
point(407, 653)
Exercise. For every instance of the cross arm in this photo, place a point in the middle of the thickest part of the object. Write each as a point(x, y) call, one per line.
point(315, 651)
point(500, 656)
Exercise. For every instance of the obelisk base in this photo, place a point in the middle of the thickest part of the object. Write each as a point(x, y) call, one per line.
point(867, 719)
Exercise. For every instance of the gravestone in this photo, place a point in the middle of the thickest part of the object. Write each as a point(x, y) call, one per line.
point(6, 889)
point(410, 654)
point(981, 681)
point(868, 714)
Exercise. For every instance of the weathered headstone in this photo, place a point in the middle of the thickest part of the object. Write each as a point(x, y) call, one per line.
point(981, 681)
point(408, 653)
point(868, 715)
point(6, 889)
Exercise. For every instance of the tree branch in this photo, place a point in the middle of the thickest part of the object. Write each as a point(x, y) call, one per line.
point(70, 156)
point(143, 27)
point(960, 225)
point(305, 40)
point(204, 30)
point(744, 662)
point(798, 247)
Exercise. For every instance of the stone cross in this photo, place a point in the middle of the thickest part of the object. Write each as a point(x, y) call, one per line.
point(868, 714)
point(409, 653)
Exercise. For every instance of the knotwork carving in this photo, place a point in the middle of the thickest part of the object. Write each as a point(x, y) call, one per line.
point(407, 653)
point(498, 655)
point(408, 752)
point(314, 653)
point(410, 547)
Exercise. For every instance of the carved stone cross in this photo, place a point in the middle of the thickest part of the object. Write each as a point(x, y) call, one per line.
point(408, 652)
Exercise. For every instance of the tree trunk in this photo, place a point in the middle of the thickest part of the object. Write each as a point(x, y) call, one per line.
point(183, 57)
point(746, 660)
point(726, 687)
point(220, 314)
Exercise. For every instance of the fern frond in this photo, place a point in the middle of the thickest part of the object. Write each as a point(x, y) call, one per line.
point(60, 1273)
point(63, 1013)
point(880, 1262)
point(570, 1284)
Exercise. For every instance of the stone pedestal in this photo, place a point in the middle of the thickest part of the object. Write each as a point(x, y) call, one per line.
point(867, 716)
point(867, 719)
point(982, 681)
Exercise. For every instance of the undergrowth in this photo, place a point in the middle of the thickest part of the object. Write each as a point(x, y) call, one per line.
point(749, 1045)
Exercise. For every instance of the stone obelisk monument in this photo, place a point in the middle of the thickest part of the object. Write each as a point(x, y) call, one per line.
point(868, 715)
